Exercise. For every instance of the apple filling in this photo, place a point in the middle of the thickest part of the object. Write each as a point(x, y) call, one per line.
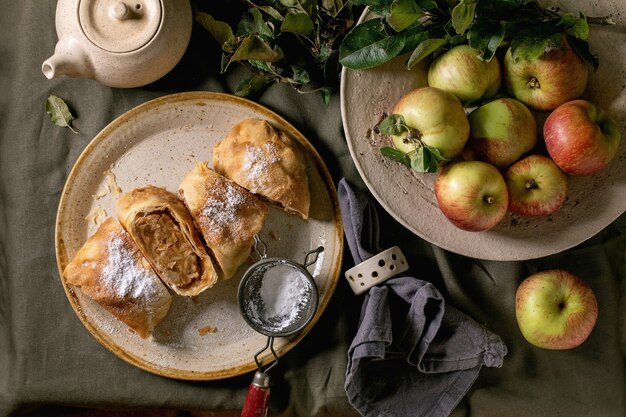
point(167, 247)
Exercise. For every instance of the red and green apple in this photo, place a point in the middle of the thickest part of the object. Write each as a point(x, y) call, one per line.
point(548, 81)
point(581, 138)
point(555, 309)
point(463, 74)
point(438, 119)
point(536, 185)
point(472, 195)
point(501, 131)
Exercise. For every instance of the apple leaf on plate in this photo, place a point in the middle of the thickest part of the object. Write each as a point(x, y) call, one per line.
point(534, 41)
point(486, 39)
point(582, 50)
point(396, 155)
point(425, 48)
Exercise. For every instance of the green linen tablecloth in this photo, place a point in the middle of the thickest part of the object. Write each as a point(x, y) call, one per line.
point(47, 357)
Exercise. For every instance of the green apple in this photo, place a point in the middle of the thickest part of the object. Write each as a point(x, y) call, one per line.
point(472, 195)
point(549, 81)
point(501, 131)
point(537, 187)
point(463, 74)
point(438, 119)
point(555, 309)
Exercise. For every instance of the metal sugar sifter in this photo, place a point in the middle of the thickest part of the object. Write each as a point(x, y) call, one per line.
point(277, 297)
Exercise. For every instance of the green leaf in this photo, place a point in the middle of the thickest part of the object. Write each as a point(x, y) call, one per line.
point(436, 153)
point(412, 38)
point(367, 46)
point(396, 155)
point(59, 112)
point(307, 6)
point(255, 48)
point(581, 48)
point(261, 65)
point(333, 7)
point(371, 3)
point(252, 23)
point(420, 160)
point(220, 31)
point(252, 85)
point(424, 49)
point(379, 7)
point(568, 20)
point(580, 29)
point(403, 14)
point(231, 44)
point(575, 25)
point(425, 159)
point(393, 124)
point(485, 38)
point(299, 75)
point(327, 93)
point(457, 40)
point(299, 23)
point(463, 15)
point(324, 52)
point(272, 12)
point(534, 41)
point(427, 4)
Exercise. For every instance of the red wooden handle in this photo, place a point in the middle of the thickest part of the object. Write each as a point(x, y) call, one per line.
point(257, 402)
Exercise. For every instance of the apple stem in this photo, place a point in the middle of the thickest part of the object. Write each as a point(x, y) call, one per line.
point(488, 199)
point(531, 184)
point(413, 136)
point(533, 83)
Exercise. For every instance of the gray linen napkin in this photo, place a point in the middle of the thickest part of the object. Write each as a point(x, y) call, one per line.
point(413, 355)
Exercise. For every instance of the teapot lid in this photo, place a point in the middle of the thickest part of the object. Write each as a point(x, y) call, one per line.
point(120, 25)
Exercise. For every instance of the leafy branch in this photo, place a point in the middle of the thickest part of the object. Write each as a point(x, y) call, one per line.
point(267, 30)
point(429, 27)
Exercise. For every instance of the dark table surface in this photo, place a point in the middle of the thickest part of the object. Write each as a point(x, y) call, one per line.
point(48, 358)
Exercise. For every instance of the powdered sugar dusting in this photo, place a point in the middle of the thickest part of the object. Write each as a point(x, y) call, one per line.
point(277, 297)
point(123, 275)
point(282, 292)
point(256, 160)
point(224, 211)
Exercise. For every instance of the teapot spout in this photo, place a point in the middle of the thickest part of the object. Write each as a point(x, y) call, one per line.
point(68, 59)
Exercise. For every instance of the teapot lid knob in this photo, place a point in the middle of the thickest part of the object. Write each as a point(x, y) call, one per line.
point(120, 25)
point(120, 11)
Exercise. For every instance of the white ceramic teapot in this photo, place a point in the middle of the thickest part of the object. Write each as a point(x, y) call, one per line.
point(119, 43)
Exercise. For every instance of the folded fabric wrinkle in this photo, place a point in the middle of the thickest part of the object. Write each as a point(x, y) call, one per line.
point(413, 354)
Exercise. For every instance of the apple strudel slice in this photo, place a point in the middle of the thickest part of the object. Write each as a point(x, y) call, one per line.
point(164, 230)
point(227, 215)
point(267, 162)
point(110, 269)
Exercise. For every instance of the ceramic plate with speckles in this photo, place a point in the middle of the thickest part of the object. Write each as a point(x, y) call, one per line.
point(592, 203)
point(157, 143)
